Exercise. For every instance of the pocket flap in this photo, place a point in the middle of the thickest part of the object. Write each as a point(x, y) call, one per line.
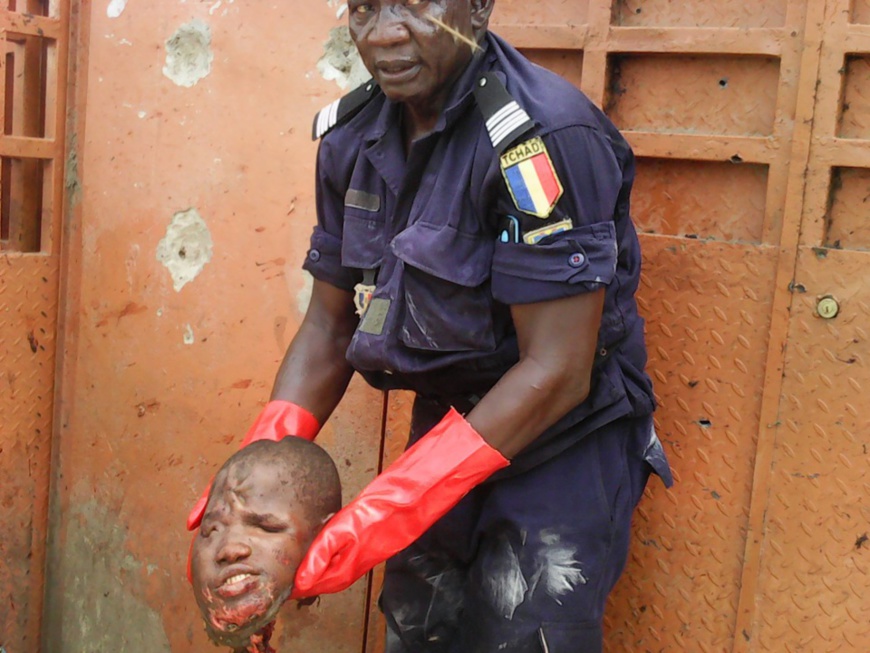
point(362, 243)
point(445, 253)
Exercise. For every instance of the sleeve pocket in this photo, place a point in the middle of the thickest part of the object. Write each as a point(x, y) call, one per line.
point(585, 254)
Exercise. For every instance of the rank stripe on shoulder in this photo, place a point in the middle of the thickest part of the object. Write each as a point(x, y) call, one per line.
point(505, 119)
point(342, 109)
point(326, 119)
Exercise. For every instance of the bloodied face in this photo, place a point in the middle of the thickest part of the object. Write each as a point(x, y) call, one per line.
point(262, 513)
point(413, 58)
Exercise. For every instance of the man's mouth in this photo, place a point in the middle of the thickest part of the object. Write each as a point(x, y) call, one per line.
point(237, 585)
point(235, 579)
point(397, 70)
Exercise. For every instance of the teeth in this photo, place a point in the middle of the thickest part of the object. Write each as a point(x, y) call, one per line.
point(235, 579)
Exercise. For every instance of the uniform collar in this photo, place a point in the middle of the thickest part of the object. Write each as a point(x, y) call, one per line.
point(460, 96)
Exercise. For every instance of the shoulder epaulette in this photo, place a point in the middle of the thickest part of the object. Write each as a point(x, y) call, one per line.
point(505, 119)
point(344, 108)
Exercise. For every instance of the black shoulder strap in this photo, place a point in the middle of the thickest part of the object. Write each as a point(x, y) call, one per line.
point(342, 109)
point(505, 119)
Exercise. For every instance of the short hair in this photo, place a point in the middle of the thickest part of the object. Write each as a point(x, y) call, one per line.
point(315, 478)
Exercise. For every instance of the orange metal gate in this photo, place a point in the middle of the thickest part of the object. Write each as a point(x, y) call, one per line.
point(752, 199)
point(751, 122)
point(32, 89)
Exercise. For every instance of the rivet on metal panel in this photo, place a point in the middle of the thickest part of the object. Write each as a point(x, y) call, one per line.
point(827, 307)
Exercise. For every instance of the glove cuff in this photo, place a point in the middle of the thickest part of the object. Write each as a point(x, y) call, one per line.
point(279, 419)
point(398, 506)
point(462, 457)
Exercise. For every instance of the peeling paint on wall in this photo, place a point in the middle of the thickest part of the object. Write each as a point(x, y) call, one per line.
point(186, 247)
point(102, 611)
point(71, 171)
point(188, 54)
point(341, 61)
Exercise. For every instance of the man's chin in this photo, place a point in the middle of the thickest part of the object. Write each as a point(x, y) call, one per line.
point(234, 622)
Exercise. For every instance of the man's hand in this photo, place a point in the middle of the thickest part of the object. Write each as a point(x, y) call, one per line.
point(398, 506)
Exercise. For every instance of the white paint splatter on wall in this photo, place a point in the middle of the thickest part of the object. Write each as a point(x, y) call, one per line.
point(116, 8)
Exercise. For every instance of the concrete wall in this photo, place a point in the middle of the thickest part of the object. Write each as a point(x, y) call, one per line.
point(191, 216)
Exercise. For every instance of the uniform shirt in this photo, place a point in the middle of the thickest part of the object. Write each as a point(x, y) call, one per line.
point(453, 244)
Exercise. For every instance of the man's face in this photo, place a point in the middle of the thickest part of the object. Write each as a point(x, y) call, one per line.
point(411, 57)
point(250, 543)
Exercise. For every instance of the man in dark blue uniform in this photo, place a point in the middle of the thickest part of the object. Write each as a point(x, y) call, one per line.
point(474, 245)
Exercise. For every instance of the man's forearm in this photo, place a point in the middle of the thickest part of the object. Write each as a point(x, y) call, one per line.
point(557, 350)
point(315, 373)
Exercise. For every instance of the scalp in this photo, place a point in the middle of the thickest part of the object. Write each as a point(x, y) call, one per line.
point(306, 465)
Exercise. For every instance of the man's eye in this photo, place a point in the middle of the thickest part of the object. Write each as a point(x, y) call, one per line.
point(206, 529)
point(361, 9)
point(271, 527)
point(414, 3)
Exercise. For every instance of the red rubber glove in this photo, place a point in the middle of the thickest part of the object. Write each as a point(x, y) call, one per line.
point(398, 506)
point(277, 420)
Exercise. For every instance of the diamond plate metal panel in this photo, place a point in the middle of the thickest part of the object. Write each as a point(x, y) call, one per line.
point(708, 308)
point(847, 224)
point(700, 13)
point(712, 95)
point(815, 572)
point(700, 199)
point(28, 313)
point(861, 12)
point(855, 112)
point(567, 63)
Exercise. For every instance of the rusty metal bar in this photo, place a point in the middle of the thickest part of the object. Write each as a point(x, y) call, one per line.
point(784, 126)
point(857, 39)
point(23, 147)
point(595, 55)
point(697, 40)
point(25, 24)
point(847, 152)
point(826, 151)
point(544, 37)
point(703, 147)
point(812, 15)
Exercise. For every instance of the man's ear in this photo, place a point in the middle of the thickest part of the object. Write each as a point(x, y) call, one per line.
point(481, 10)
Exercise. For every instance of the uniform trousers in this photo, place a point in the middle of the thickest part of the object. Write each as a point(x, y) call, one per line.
point(522, 564)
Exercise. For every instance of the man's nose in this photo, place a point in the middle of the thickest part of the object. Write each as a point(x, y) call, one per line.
point(233, 548)
point(390, 26)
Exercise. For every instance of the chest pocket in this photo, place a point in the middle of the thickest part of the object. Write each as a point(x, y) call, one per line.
point(447, 300)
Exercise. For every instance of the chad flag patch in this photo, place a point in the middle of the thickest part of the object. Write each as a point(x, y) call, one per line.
point(531, 178)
